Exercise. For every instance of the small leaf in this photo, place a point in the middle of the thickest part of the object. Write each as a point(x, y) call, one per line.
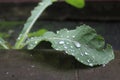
point(37, 33)
point(76, 3)
point(83, 43)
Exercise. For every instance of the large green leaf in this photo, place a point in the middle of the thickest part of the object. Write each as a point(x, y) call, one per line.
point(83, 43)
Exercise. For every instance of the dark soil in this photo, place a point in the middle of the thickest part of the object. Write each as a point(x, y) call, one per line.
point(52, 65)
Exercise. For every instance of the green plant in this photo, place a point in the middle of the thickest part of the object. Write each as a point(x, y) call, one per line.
point(83, 42)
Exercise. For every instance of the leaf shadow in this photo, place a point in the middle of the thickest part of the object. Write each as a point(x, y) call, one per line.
point(56, 59)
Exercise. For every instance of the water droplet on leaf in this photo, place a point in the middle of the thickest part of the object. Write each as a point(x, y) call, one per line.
point(104, 65)
point(61, 42)
point(77, 44)
point(68, 36)
point(88, 60)
point(36, 42)
point(82, 54)
point(73, 36)
point(91, 64)
point(57, 32)
point(86, 53)
point(65, 47)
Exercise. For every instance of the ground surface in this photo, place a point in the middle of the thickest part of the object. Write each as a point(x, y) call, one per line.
point(41, 65)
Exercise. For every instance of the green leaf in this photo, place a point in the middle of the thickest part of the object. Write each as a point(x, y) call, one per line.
point(76, 3)
point(30, 22)
point(37, 33)
point(83, 43)
point(3, 44)
point(4, 35)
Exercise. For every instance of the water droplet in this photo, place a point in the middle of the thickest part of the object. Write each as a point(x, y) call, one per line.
point(71, 46)
point(67, 43)
point(78, 58)
point(57, 32)
point(7, 73)
point(82, 54)
point(61, 42)
point(72, 50)
point(41, 3)
point(90, 64)
point(67, 31)
point(104, 65)
point(57, 49)
point(86, 53)
point(73, 36)
point(31, 55)
point(77, 44)
point(32, 66)
point(68, 36)
point(81, 61)
point(36, 42)
point(66, 51)
point(88, 60)
point(65, 47)
point(73, 54)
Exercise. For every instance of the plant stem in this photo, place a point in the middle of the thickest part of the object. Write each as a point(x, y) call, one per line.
point(3, 44)
point(30, 22)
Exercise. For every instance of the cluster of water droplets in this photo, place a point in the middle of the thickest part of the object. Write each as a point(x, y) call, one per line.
point(33, 42)
point(70, 46)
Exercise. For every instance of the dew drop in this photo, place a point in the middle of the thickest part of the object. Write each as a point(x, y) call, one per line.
point(41, 3)
point(61, 42)
point(73, 54)
point(82, 54)
point(65, 47)
point(104, 65)
point(68, 36)
point(67, 43)
point(66, 51)
point(57, 49)
point(90, 64)
point(86, 53)
point(78, 58)
point(57, 32)
point(77, 44)
point(67, 31)
point(73, 36)
point(36, 42)
point(88, 60)
point(81, 61)
point(71, 46)
point(7, 72)
point(32, 66)
point(32, 38)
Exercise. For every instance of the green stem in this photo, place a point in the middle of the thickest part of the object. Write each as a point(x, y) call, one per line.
point(30, 22)
point(3, 44)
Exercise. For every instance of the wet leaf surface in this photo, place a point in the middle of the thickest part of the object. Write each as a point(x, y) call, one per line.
point(83, 43)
